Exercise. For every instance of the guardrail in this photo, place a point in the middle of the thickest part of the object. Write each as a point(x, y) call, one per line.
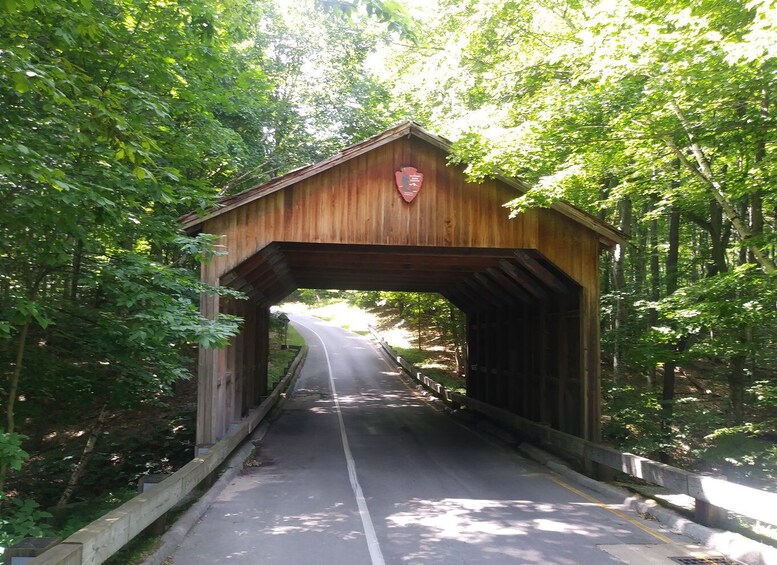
point(97, 541)
point(710, 493)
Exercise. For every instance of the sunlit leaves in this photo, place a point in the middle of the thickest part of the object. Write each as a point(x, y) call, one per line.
point(97, 161)
point(732, 313)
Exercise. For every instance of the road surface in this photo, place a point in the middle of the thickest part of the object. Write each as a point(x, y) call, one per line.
point(360, 469)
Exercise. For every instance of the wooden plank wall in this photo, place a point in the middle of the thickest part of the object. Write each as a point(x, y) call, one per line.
point(233, 379)
point(357, 202)
point(528, 361)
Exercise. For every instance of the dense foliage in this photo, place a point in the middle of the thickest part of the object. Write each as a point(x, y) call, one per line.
point(657, 117)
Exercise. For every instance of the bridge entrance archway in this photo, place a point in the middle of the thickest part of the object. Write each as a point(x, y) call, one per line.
point(528, 285)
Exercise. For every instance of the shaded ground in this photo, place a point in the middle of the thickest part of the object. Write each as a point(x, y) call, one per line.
point(412, 485)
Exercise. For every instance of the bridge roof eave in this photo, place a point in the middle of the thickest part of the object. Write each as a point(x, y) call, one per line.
point(194, 221)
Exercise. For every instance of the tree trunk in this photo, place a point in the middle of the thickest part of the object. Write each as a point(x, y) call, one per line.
point(619, 271)
point(736, 388)
point(703, 171)
point(718, 240)
point(457, 336)
point(756, 198)
point(78, 255)
point(638, 264)
point(655, 283)
point(12, 388)
point(418, 320)
point(86, 454)
point(13, 385)
point(667, 391)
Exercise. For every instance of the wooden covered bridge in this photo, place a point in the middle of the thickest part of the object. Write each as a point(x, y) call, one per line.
point(390, 213)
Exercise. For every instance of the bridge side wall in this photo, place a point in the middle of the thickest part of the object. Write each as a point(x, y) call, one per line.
point(232, 379)
point(529, 362)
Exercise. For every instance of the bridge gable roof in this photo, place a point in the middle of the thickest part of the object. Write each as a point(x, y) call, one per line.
point(193, 222)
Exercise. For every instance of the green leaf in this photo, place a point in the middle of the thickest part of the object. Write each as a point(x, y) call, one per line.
point(20, 82)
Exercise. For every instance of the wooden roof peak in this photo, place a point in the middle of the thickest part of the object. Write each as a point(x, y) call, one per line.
point(192, 222)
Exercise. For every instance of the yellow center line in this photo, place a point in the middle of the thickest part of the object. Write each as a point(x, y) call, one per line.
point(618, 513)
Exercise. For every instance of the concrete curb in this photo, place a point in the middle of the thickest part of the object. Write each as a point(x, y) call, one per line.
point(733, 545)
point(175, 535)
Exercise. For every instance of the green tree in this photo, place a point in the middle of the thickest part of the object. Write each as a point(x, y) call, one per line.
point(103, 113)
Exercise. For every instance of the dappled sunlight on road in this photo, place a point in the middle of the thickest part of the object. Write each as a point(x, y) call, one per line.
point(327, 520)
point(466, 520)
point(497, 526)
point(323, 403)
point(475, 521)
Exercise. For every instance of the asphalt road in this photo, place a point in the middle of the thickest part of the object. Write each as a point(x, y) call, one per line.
point(359, 469)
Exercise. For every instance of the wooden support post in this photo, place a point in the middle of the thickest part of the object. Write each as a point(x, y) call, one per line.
point(590, 377)
point(542, 355)
point(503, 345)
point(221, 387)
point(525, 346)
point(487, 347)
point(249, 359)
point(514, 361)
point(207, 380)
point(226, 392)
point(239, 368)
point(262, 348)
point(707, 514)
point(562, 368)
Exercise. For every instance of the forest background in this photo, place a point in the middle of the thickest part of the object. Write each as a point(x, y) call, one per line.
point(118, 116)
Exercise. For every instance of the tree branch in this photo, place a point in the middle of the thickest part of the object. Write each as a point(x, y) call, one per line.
point(703, 172)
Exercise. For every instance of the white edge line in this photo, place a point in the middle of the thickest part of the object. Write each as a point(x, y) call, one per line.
point(376, 555)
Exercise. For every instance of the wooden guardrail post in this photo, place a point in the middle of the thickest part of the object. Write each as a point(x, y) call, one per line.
point(710, 515)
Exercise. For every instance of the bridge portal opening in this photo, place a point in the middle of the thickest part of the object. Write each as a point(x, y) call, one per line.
point(523, 313)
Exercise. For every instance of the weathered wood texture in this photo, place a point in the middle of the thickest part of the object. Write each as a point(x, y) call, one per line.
point(232, 380)
point(529, 284)
point(357, 203)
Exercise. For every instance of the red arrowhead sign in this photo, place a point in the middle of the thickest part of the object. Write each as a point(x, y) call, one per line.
point(408, 182)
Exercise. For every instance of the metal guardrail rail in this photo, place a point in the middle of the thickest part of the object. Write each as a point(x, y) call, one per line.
point(99, 540)
point(710, 493)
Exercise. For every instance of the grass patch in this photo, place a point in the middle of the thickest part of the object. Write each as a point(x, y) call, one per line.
point(433, 364)
point(294, 338)
point(277, 365)
point(279, 359)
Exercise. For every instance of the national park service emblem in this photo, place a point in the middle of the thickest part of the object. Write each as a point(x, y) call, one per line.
point(409, 182)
